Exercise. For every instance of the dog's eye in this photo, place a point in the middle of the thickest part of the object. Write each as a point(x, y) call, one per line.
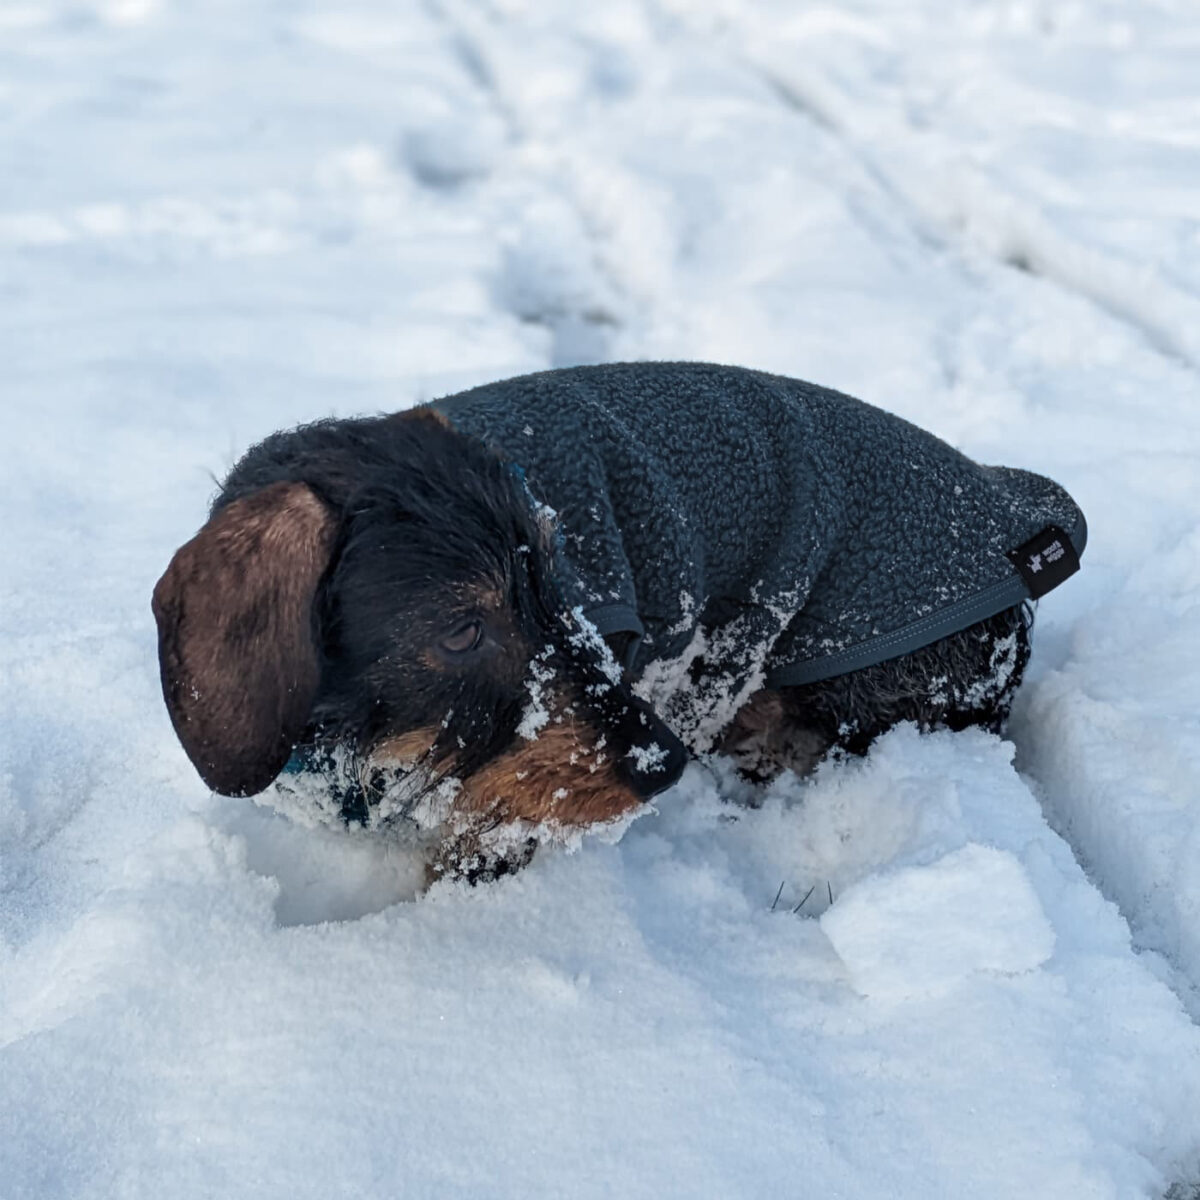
point(464, 639)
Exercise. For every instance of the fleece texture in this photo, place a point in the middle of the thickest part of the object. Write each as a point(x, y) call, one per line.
point(748, 529)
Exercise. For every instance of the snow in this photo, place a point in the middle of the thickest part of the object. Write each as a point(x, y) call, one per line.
point(536, 715)
point(979, 901)
point(223, 219)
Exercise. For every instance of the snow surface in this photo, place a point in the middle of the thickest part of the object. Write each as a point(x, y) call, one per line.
point(218, 219)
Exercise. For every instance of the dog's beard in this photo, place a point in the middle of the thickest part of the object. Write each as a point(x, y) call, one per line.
point(331, 784)
point(319, 785)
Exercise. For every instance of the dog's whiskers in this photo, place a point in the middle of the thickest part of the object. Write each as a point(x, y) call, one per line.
point(394, 792)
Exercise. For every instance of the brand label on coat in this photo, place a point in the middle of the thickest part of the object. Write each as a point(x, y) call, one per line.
point(1045, 560)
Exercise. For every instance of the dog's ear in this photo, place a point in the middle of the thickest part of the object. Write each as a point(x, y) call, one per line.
point(236, 638)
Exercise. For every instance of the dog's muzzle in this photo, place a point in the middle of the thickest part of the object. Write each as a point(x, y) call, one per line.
point(648, 757)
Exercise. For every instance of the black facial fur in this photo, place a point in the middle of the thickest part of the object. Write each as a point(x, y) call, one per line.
point(434, 545)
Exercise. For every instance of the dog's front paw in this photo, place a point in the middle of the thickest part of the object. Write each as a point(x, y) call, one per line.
point(466, 857)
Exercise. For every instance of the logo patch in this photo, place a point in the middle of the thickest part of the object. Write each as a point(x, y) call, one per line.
point(1045, 560)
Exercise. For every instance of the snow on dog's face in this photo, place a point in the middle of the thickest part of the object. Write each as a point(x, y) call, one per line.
point(384, 593)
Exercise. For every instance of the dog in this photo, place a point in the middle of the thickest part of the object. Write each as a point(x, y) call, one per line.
point(516, 612)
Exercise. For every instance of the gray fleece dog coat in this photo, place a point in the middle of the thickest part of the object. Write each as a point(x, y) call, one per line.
point(748, 530)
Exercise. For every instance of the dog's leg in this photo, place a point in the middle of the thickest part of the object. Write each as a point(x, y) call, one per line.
point(968, 678)
point(466, 856)
point(766, 738)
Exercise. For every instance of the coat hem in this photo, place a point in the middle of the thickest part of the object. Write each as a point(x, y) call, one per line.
point(994, 599)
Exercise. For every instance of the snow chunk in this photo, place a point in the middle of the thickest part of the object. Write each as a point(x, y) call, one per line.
point(648, 758)
point(587, 637)
point(536, 716)
point(922, 930)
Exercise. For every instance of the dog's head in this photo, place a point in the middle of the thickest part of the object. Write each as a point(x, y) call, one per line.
point(391, 588)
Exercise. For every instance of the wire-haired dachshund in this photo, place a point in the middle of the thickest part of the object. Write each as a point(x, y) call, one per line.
point(513, 613)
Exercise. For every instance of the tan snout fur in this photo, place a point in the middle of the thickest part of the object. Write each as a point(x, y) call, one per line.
point(564, 776)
